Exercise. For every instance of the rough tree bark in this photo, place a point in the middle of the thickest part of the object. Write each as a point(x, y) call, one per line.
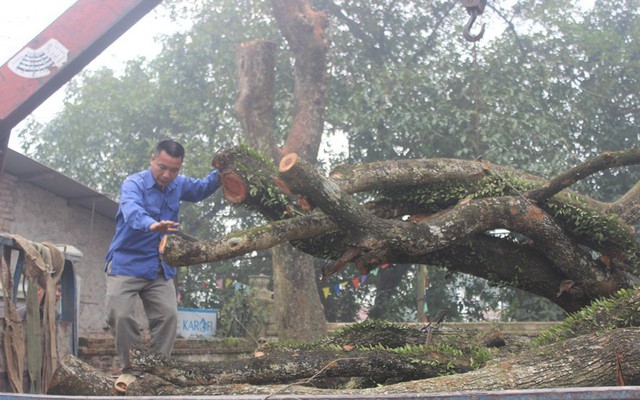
point(255, 102)
point(75, 377)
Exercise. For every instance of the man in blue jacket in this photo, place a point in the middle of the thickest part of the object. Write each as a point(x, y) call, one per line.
point(149, 205)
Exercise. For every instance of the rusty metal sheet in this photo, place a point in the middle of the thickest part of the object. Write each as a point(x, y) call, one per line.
point(597, 393)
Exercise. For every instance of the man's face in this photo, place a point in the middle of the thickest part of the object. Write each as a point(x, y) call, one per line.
point(165, 168)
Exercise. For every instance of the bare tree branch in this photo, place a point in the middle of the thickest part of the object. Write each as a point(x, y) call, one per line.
point(304, 30)
point(602, 162)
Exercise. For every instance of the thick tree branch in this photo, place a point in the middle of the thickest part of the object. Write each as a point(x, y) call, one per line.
point(304, 30)
point(75, 377)
point(628, 206)
point(386, 239)
point(516, 215)
point(343, 209)
point(402, 176)
point(180, 253)
point(392, 174)
point(510, 262)
point(581, 362)
point(255, 102)
point(499, 260)
point(275, 368)
point(374, 240)
point(389, 176)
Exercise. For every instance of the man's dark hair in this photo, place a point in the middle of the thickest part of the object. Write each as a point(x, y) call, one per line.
point(171, 147)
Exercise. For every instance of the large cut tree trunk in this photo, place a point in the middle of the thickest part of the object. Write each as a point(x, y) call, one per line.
point(586, 361)
point(606, 358)
point(567, 248)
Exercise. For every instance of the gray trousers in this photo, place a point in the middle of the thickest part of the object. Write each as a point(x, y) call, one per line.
point(159, 300)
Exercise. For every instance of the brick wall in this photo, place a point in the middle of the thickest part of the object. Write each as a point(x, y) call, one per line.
point(100, 351)
point(7, 201)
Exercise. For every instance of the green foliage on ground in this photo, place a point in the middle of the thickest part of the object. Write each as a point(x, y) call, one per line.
point(621, 310)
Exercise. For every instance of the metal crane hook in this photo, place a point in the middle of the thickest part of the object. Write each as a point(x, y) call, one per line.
point(474, 8)
point(467, 28)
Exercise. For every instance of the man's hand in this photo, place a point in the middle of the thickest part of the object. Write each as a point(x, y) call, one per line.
point(164, 226)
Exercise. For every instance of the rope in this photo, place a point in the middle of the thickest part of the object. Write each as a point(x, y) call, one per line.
point(43, 266)
point(13, 335)
point(475, 99)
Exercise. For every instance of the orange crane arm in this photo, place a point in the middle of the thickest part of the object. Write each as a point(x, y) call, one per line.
point(58, 53)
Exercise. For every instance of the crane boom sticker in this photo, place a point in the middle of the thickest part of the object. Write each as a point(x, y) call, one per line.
point(37, 63)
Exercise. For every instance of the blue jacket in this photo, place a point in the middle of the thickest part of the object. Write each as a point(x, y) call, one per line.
point(134, 248)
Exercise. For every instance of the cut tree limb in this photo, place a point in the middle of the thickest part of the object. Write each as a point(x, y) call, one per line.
point(180, 253)
point(584, 361)
point(233, 187)
point(284, 367)
point(559, 244)
point(301, 177)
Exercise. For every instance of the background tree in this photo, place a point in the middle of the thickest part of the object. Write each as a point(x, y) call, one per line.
point(552, 88)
